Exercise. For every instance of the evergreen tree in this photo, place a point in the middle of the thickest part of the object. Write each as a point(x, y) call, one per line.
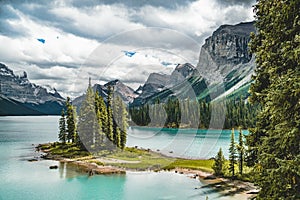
point(71, 121)
point(101, 113)
point(62, 128)
point(219, 164)
point(109, 131)
point(274, 146)
point(241, 149)
point(232, 155)
point(88, 126)
point(121, 121)
point(123, 125)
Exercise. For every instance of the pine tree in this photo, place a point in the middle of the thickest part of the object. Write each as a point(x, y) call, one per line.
point(274, 146)
point(120, 118)
point(219, 164)
point(101, 113)
point(232, 155)
point(123, 125)
point(62, 128)
point(88, 126)
point(101, 109)
point(241, 149)
point(109, 131)
point(71, 121)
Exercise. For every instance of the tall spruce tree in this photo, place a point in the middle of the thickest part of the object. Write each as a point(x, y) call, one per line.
point(71, 121)
point(88, 126)
point(232, 155)
point(109, 131)
point(241, 151)
point(274, 143)
point(219, 164)
point(120, 122)
point(62, 128)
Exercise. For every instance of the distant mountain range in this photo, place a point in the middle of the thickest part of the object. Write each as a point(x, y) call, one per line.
point(18, 96)
point(224, 70)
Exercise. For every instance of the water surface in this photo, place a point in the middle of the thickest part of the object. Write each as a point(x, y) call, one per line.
point(25, 180)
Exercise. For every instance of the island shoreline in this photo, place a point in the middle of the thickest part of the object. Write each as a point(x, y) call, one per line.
point(235, 188)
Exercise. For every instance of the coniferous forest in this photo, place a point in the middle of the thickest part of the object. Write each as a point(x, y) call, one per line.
point(99, 125)
point(196, 114)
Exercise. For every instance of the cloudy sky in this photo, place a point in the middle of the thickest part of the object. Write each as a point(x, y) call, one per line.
point(63, 42)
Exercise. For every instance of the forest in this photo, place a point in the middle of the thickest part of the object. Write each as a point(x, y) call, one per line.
point(187, 113)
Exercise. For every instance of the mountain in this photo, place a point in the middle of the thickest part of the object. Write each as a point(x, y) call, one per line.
point(125, 92)
point(161, 86)
point(225, 61)
point(224, 70)
point(18, 96)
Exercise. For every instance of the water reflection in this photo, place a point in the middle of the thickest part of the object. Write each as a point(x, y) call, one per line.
point(70, 170)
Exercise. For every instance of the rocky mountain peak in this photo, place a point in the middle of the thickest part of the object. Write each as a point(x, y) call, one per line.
point(225, 55)
point(5, 71)
point(157, 78)
point(28, 97)
point(181, 73)
point(229, 43)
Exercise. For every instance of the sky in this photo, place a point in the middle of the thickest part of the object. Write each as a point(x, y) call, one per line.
point(61, 43)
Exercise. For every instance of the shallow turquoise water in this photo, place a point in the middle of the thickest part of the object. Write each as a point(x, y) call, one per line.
point(20, 179)
point(189, 143)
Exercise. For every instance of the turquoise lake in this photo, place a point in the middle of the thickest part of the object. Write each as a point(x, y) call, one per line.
point(25, 180)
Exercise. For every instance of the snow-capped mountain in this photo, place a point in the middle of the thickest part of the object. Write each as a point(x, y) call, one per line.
point(29, 98)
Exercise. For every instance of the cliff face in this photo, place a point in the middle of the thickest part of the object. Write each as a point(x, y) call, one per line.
point(229, 44)
point(226, 52)
point(18, 90)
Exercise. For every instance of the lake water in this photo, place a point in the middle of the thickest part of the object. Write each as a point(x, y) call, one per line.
point(25, 180)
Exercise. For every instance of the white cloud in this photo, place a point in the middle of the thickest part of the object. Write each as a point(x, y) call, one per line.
point(96, 35)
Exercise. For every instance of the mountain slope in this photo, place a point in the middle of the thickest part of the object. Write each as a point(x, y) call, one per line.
point(21, 97)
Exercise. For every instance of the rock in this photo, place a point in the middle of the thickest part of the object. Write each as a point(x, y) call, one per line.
point(53, 167)
point(210, 177)
point(33, 160)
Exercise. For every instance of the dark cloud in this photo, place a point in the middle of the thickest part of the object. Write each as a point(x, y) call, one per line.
point(236, 2)
point(43, 76)
point(6, 14)
point(46, 65)
point(169, 4)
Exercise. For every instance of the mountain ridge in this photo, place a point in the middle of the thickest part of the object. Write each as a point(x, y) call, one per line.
point(21, 97)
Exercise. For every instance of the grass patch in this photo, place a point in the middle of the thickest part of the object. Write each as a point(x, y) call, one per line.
point(65, 150)
point(204, 165)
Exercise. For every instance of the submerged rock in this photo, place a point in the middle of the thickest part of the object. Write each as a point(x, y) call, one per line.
point(53, 167)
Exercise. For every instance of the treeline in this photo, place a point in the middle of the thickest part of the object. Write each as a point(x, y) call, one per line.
point(99, 126)
point(195, 114)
